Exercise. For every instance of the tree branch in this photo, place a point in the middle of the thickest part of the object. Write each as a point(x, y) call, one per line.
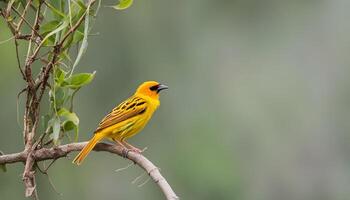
point(64, 150)
point(13, 158)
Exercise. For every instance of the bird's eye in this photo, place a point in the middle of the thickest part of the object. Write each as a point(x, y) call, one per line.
point(154, 88)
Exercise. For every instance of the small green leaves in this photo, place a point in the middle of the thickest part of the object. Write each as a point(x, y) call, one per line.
point(70, 121)
point(61, 122)
point(59, 76)
point(123, 4)
point(78, 80)
point(61, 94)
point(68, 116)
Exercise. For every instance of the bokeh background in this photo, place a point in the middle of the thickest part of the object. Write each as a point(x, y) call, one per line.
point(258, 105)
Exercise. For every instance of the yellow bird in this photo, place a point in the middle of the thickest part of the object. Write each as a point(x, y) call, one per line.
point(127, 119)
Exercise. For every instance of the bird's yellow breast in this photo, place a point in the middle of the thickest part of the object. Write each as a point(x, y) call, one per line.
point(133, 125)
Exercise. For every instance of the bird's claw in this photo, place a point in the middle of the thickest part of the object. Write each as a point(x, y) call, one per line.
point(126, 151)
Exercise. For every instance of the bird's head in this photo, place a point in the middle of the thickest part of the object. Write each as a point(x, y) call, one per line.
point(150, 89)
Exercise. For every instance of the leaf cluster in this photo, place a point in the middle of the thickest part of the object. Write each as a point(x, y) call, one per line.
point(57, 38)
point(61, 17)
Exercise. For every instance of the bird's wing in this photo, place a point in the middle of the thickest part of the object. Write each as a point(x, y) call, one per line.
point(129, 108)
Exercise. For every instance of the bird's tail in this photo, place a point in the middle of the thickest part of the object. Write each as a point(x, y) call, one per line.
point(86, 150)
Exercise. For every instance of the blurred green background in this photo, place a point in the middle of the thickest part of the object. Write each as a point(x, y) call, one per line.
point(258, 105)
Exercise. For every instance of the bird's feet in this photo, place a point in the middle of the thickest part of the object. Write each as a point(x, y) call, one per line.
point(128, 147)
point(131, 148)
point(126, 151)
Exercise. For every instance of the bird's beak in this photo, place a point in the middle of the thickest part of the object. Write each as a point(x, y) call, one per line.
point(161, 87)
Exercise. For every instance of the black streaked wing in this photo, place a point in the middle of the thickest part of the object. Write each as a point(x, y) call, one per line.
point(127, 109)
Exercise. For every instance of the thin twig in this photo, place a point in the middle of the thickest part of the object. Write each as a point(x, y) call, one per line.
point(4, 41)
point(24, 19)
point(23, 37)
point(144, 183)
point(124, 168)
point(17, 103)
point(53, 185)
point(18, 60)
point(138, 178)
point(46, 73)
point(23, 14)
point(49, 178)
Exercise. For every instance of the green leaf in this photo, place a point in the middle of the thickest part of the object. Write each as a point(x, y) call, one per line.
point(60, 95)
point(76, 11)
point(59, 75)
point(68, 43)
point(123, 4)
point(76, 130)
point(35, 3)
point(56, 129)
point(49, 26)
point(62, 6)
point(78, 36)
point(84, 44)
point(50, 41)
point(63, 25)
point(70, 121)
point(68, 125)
point(58, 14)
point(68, 116)
point(80, 4)
point(62, 112)
point(78, 80)
point(65, 56)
